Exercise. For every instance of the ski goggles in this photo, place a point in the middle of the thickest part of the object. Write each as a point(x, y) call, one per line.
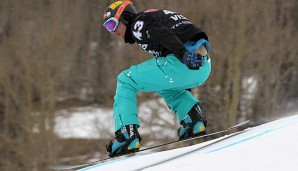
point(112, 23)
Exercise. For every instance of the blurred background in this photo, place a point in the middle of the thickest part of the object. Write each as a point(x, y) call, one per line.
point(58, 69)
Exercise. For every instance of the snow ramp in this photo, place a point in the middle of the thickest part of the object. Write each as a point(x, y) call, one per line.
point(268, 147)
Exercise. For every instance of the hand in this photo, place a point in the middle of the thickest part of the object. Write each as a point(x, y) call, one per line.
point(192, 60)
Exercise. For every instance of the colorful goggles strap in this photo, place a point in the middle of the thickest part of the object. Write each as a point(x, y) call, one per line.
point(121, 9)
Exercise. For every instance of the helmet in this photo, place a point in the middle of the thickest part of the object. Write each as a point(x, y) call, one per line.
point(120, 10)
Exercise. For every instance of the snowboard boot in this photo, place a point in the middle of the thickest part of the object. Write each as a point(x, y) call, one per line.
point(127, 140)
point(193, 124)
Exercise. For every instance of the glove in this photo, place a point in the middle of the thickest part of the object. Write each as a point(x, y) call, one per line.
point(192, 60)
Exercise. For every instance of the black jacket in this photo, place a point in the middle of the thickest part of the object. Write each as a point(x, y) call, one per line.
point(161, 32)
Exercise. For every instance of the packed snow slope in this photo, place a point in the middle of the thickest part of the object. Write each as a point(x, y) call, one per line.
point(269, 147)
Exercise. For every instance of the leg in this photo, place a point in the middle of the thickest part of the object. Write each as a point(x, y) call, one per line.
point(129, 82)
point(126, 118)
point(146, 77)
point(166, 75)
point(125, 102)
point(180, 101)
point(187, 108)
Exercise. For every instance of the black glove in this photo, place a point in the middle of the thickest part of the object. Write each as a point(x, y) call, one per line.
point(192, 60)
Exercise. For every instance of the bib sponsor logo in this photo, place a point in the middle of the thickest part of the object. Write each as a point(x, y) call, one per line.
point(178, 17)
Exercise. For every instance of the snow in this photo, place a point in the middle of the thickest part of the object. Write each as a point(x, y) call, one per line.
point(93, 122)
point(268, 147)
point(84, 122)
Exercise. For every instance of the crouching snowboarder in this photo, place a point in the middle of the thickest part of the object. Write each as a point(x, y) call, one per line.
point(181, 62)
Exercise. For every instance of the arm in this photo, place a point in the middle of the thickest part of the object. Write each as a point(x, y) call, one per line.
point(158, 33)
point(147, 30)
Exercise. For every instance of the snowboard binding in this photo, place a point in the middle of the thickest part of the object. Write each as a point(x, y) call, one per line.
point(127, 140)
point(193, 124)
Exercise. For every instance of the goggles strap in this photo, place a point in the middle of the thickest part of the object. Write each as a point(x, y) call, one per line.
point(121, 9)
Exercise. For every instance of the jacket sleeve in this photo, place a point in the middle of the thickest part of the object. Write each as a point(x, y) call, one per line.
point(158, 33)
point(147, 29)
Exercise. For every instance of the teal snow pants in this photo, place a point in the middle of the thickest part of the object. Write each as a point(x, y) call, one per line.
point(165, 75)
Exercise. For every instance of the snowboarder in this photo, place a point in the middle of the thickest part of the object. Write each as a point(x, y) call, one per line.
point(181, 62)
